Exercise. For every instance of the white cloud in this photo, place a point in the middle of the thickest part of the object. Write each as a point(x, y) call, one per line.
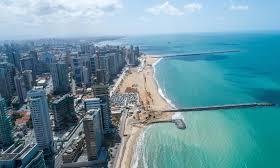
point(239, 7)
point(165, 8)
point(193, 7)
point(45, 11)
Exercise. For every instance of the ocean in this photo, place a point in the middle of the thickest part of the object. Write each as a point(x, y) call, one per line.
point(239, 138)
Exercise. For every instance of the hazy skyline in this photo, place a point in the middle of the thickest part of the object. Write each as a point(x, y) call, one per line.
point(21, 19)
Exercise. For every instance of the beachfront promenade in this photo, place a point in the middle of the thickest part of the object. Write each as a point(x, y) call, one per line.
point(221, 107)
point(196, 54)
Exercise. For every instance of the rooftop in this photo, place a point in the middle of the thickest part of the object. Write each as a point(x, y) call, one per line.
point(15, 152)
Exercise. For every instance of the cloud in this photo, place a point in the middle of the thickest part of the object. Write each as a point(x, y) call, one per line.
point(44, 11)
point(165, 8)
point(193, 7)
point(239, 7)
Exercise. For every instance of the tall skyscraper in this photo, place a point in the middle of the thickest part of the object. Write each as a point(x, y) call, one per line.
point(101, 76)
point(132, 56)
point(13, 55)
point(60, 78)
point(104, 66)
point(41, 119)
point(85, 76)
point(6, 136)
point(20, 88)
point(7, 73)
point(28, 63)
point(93, 133)
point(77, 69)
point(64, 112)
point(28, 80)
point(93, 64)
point(137, 52)
point(102, 92)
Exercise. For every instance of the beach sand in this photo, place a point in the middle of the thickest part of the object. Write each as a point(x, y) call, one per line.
point(144, 83)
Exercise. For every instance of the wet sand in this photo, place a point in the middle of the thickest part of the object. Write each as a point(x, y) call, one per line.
point(141, 80)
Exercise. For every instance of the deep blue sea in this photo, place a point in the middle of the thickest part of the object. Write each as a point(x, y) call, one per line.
point(248, 138)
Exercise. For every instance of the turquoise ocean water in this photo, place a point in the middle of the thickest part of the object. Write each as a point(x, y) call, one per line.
point(248, 138)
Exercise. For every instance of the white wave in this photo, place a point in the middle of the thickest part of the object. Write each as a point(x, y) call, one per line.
point(139, 151)
point(140, 143)
point(158, 86)
point(177, 115)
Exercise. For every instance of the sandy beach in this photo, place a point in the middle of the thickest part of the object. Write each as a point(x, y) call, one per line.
point(143, 82)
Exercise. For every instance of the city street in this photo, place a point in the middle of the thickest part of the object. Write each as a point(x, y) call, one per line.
point(121, 134)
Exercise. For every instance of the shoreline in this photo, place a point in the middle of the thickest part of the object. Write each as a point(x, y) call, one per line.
point(160, 91)
point(151, 97)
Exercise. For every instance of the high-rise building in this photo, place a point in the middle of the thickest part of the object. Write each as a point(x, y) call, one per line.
point(78, 75)
point(132, 56)
point(114, 64)
point(137, 52)
point(102, 92)
point(41, 119)
point(77, 68)
point(22, 157)
point(101, 76)
point(67, 58)
point(34, 55)
point(6, 136)
point(64, 112)
point(47, 58)
point(85, 76)
point(60, 79)
point(87, 48)
point(20, 88)
point(28, 80)
point(12, 54)
point(28, 63)
point(7, 73)
point(93, 65)
point(14, 58)
point(93, 133)
point(104, 66)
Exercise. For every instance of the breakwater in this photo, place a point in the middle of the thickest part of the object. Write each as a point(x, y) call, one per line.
point(180, 124)
point(221, 107)
point(196, 54)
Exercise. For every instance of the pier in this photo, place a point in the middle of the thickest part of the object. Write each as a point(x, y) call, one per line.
point(196, 54)
point(180, 124)
point(221, 107)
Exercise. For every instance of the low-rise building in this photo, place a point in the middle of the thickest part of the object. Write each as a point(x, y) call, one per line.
point(74, 151)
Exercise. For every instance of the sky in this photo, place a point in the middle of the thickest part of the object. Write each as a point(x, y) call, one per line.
point(20, 19)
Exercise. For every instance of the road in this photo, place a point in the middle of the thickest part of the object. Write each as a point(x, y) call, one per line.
point(118, 81)
point(121, 133)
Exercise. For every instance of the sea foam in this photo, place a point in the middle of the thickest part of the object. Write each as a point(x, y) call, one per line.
point(140, 143)
point(158, 86)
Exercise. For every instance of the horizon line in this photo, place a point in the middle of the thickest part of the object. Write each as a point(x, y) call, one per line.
point(118, 36)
